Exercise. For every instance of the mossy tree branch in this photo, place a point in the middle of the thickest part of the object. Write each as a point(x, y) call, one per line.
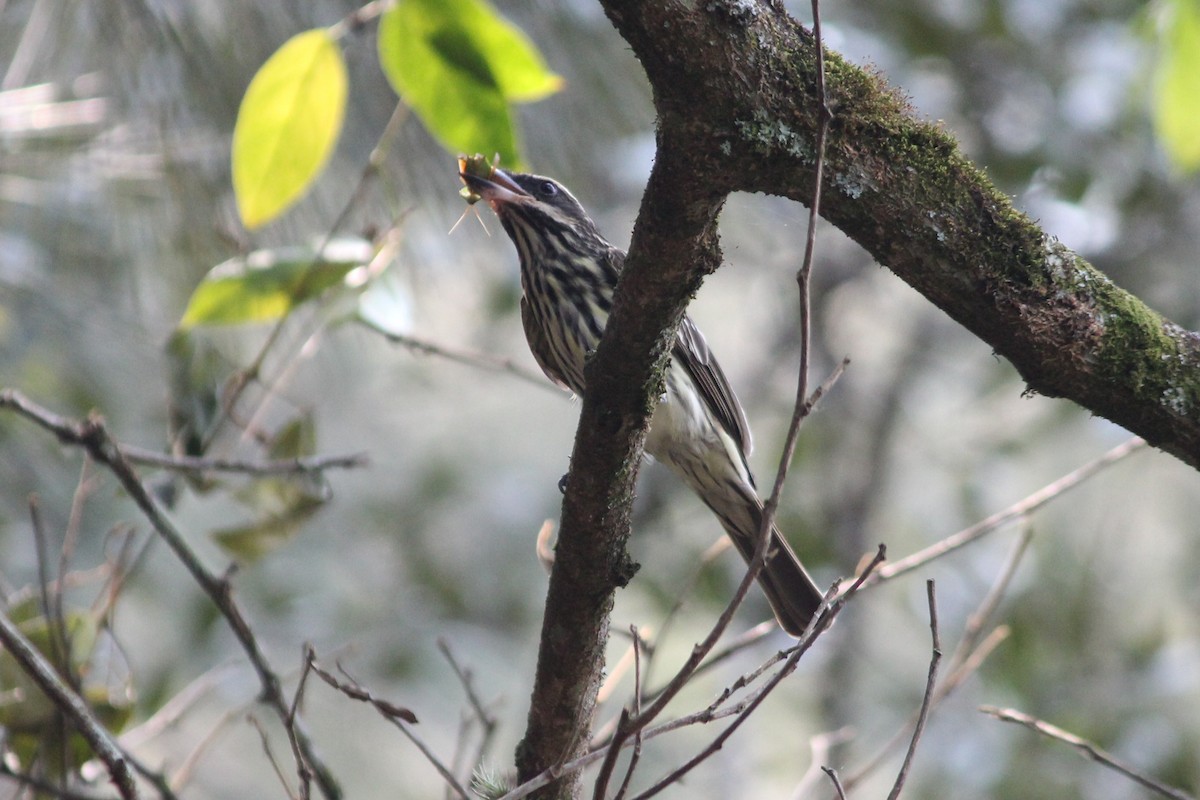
point(733, 85)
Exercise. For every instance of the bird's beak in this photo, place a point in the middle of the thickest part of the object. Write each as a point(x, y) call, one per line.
point(498, 188)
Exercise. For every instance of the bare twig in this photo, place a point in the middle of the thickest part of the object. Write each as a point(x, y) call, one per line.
point(487, 720)
point(63, 428)
point(837, 784)
point(183, 775)
point(978, 619)
point(283, 466)
point(298, 698)
point(171, 711)
point(637, 709)
point(805, 404)
point(622, 730)
point(927, 700)
point(34, 665)
point(700, 651)
point(60, 648)
point(471, 358)
point(628, 660)
point(739, 643)
point(1087, 750)
point(397, 715)
point(820, 747)
point(1016, 511)
point(94, 438)
point(270, 755)
point(968, 656)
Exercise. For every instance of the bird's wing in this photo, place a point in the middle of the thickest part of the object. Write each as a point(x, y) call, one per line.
point(691, 351)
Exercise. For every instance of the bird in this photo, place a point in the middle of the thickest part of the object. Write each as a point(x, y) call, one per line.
point(699, 430)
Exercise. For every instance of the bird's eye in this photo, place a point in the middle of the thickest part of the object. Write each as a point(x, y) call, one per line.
point(549, 188)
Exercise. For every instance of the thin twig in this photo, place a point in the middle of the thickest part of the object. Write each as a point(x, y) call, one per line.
point(466, 679)
point(927, 700)
point(742, 641)
point(83, 490)
point(63, 428)
point(616, 673)
point(35, 665)
point(471, 358)
point(700, 651)
point(60, 648)
point(820, 623)
point(183, 775)
point(284, 466)
point(978, 619)
point(804, 404)
point(270, 755)
point(820, 747)
point(397, 715)
point(487, 720)
point(298, 698)
point(171, 711)
point(1015, 511)
point(837, 784)
point(1087, 750)
point(710, 554)
point(622, 730)
point(636, 755)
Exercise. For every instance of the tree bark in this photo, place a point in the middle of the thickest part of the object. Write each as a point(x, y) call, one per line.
point(734, 90)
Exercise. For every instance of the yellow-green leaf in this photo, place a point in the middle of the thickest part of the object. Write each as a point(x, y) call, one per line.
point(459, 64)
point(267, 284)
point(1177, 88)
point(287, 125)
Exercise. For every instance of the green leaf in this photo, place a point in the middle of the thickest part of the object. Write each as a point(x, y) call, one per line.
point(267, 284)
point(287, 125)
point(1177, 85)
point(459, 64)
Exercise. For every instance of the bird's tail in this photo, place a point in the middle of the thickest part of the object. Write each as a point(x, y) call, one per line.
point(792, 594)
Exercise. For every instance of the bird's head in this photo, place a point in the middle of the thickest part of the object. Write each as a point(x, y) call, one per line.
point(525, 202)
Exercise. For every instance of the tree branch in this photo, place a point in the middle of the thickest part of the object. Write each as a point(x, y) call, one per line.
point(734, 87)
point(1086, 749)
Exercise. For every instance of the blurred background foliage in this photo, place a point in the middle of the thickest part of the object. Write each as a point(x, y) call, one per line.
point(115, 200)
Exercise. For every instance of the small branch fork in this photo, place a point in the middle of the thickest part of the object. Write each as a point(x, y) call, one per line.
point(627, 733)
